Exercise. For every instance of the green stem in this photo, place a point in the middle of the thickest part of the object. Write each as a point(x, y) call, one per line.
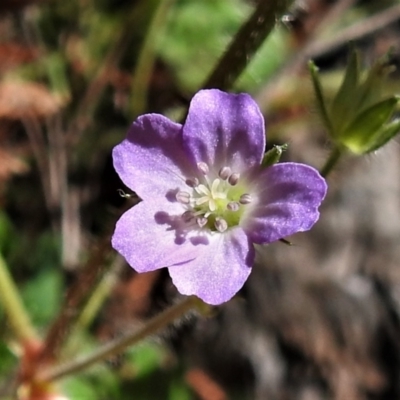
point(13, 306)
point(118, 345)
point(331, 161)
point(94, 303)
point(246, 42)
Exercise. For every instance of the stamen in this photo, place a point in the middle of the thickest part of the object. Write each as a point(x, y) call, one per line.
point(214, 187)
point(220, 224)
point(183, 197)
point(245, 199)
point(211, 205)
point(233, 206)
point(201, 221)
point(201, 200)
point(187, 216)
point(203, 168)
point(203, 189)
point(234, 178)
point(224, 173)
point(192, 182)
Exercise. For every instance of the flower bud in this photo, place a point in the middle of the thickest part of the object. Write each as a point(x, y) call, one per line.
point(274, 155)
point(359, 117)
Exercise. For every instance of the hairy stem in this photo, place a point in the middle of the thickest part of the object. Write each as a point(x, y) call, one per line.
point(13, 306)
point(75, 299)
point(246, 43)
point(153, 326)
point(331, 162)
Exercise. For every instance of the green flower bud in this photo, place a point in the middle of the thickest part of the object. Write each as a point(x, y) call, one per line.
point(365, 132)
point(358, 117)
point(274, 155)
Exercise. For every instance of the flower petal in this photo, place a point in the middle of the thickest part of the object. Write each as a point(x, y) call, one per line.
point(221, 269)
point(150, 237)
point(151, 160)
point(289, 195)
point(224, 129)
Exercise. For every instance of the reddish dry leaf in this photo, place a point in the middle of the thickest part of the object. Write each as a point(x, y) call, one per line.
point(129, 302)
point(19, 100)
point(204, 386)
point(14, 54)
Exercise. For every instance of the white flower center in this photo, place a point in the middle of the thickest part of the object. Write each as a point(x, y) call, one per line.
point(210, 196)
point(216, 204)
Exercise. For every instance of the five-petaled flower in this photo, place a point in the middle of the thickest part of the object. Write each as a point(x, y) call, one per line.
point(206, 198)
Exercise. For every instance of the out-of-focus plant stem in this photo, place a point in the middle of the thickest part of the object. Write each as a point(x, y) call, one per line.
point(331, 161)
point(246, 43)
point(153, 326)
point(75, 299)
point(13, 306)
point(96, 300)
point(144, 66)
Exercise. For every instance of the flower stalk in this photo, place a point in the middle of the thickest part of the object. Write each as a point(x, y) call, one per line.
point(13, 306)
point(331, 162)
point(246, 43)
point(115, 347)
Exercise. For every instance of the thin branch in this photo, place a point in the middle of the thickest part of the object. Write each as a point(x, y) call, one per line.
point(75, 300)
point(354, 32)
point(115, 347)
point(36, 139)
point(298, 60)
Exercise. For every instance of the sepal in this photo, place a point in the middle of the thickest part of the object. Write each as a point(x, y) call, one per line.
point(274, 155)
point(358, 117)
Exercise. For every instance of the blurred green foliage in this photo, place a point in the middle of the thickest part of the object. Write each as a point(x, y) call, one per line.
point(74, 40)
point(198, 33)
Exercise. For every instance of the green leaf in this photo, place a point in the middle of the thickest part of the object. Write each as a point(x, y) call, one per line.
point(370, 91)
point(386, 133)
point(320, 97)
point(56, 66)
point(42, 295)
point(179, 390)
point(80, 388)
point(197, 34)
point(343, 105)
point(362, 134)
point(7, 234)
point(146, 358)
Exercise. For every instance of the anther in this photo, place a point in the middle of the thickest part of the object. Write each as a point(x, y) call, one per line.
point(233, 206)
point(201, 221)
point(203, 168)
point(192, 182)
point(245, 199)
point(224, 173)
point(234, 178)
point(220, 224)
point(183, 197)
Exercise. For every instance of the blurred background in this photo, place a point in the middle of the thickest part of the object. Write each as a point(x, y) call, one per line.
point(317, 320)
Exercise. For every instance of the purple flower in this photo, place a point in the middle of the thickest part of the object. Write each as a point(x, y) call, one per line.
point(206, 199)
